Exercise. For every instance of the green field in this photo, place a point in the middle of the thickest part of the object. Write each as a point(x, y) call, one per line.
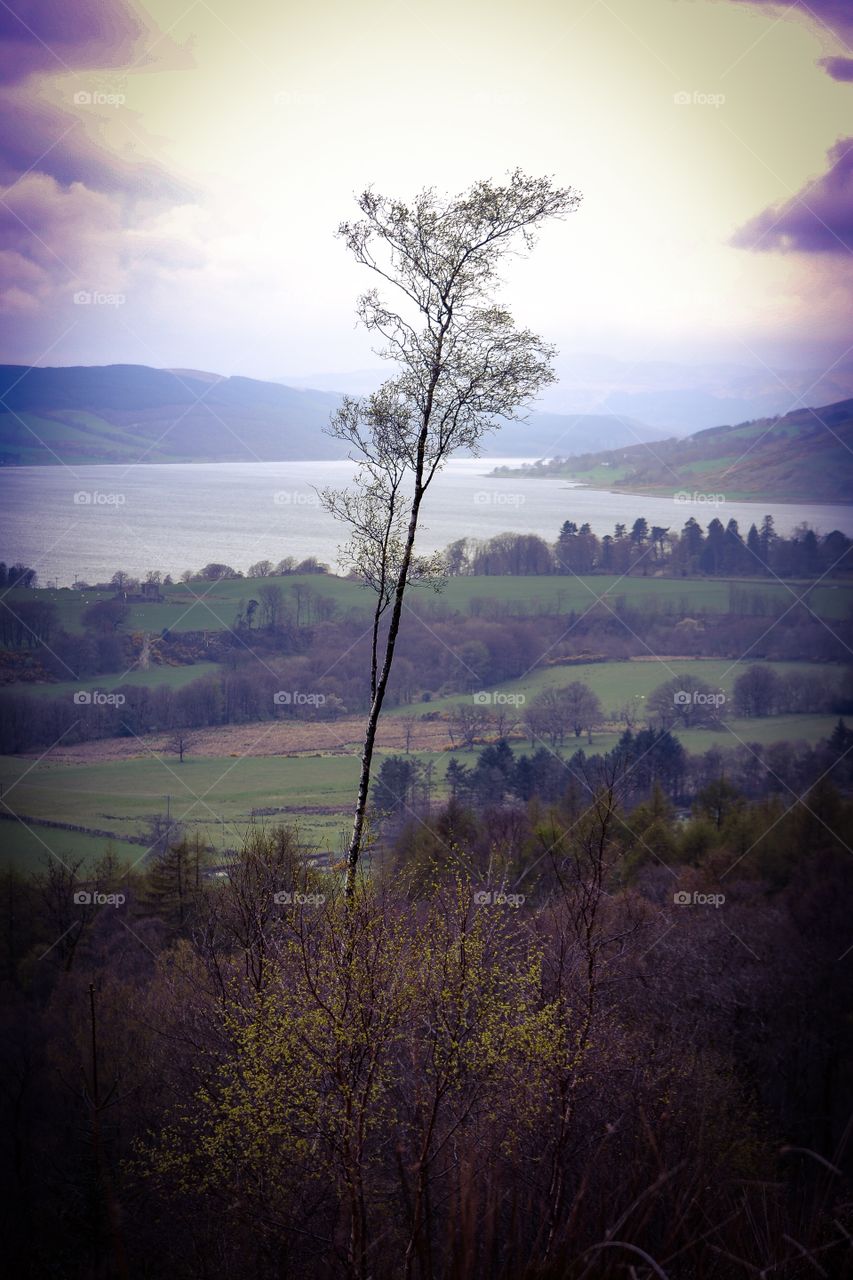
point(618, 683)
point(196, 606)
point(205, 606)
point(31, 848)
point(215, 796)
point(153, 678)
point(212, 796)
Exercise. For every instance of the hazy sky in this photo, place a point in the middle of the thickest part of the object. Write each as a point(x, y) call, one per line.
point(194, 159)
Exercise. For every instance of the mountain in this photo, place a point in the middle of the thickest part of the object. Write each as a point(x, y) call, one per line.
point(131, 413)
point(803, 456)
point(673, 398)
point(680, 398)
point(547, 434)
point(353, 382)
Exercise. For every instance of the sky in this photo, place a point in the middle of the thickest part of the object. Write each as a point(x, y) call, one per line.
point(173, 172)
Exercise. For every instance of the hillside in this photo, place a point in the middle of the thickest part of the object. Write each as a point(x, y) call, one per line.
point(803, 456)
point(567, 434)
point(131, 413)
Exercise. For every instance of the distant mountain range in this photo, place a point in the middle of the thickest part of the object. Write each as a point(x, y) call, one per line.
point(680, 398)
point(132, 413)
point(803, 456)
point(568, 434)
point(673, 398)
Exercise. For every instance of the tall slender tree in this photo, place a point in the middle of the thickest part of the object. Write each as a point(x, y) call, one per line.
point(462, 366)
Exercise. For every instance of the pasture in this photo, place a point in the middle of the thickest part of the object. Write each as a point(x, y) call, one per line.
point(213, 606)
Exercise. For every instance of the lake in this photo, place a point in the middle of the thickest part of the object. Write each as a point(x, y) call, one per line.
point(86, 522)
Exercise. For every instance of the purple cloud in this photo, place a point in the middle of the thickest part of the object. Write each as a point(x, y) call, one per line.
point(66, 200)
point(819, 219)
point(834, 15)
point(55, 36)
point(838, 68)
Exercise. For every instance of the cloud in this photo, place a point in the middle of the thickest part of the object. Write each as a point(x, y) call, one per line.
point(37, 136)
point(55, 36)
point(834, 16)
point(75, 212)
point(819, 219)
point(838, 68)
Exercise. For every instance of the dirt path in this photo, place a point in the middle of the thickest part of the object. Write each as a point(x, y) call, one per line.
point(264, 738)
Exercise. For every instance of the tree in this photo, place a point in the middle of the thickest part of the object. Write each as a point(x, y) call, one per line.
point(753, 546)
point(462, 365)
point(396, 784)
point(583, 707)
point(690, 544)
point(215, 572)
point(272, 605)
point(657, 537)
point(545, 717)
point(408, 723)
point(260, 569)
point(554, 711)
point(640, 531)
point(757, 691)
point(467, 720)
point(456, 559)
point(105, 616)
point(456, 776)
point(685, 700)
point(173, 882)
point(180, 742)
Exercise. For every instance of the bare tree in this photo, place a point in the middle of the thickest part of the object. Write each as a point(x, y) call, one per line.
point(408, 723)
point(260, 569)
point(462, 364)
point(467, 721)
point(272, 605)
point(180, 742)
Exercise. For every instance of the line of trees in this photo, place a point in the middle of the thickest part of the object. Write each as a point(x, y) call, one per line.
point(16, 575)
point(647, 759)
point(215, 571)
point(717, 551)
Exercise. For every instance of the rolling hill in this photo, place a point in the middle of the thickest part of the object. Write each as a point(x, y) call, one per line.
point(803, 456)
point(132, 413)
